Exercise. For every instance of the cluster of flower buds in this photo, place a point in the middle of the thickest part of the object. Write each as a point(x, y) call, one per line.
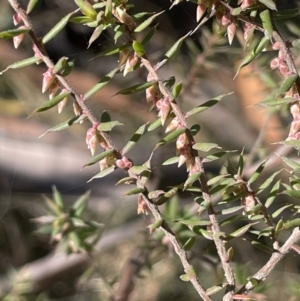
point(248, 202)
point(230, 23)
point(279, 62)
point(142, 207)
point(124, 163)
point(294, 133)
point(164, 108)
point(184, 149)
point(153, 95)
point(92, 138)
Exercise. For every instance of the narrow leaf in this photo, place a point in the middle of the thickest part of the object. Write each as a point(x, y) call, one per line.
point(231, 210)
point(98, 157)
point(272, 195)
point(149, 36)
point(51, 103)
point(63, 125)
point(291, 163)
point(135, 190)
point(170, 161)
point(57, 28)
point(276, 101)
point(86, 8)
point(155, 225)
point(103, 173)
point(80, 205)
point(265, 17)
point(205, 147)
point(278, 212)
point(58, 198)
point(287, 84)
point(257, 172)
point(23, 63)
point(101, 84)
point(206, 105)
point(292, 224)
point(135, 138)
point(242, 230)
point(9, 34)
point(96, 34)
point(189, 243)
point(194, 223)
point(136, 88)
point(292, 193)
point(108, 126)
point(154, 125)
point(147, 22)
point(191, 179)
point(171, 137)
point(137, 170)
point(30, 6)
point(268, 182)
point(286, 14)
point(113, 50)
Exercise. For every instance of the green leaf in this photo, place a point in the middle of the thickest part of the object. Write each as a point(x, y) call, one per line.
point(195, 129)
point(265, 17)
point(141, 15)
point(176, 90)
point(257, 172)
point(262, 247)
point(269, 3)
point(51, 103)
point(206, 234)
point(147, 22)
point(291, 224)
point(276, 101)
point(63, 125)
point(155, 194)
point(138, 48)
point(231, 210)
point(292, 193)
point(80, 205)
point(98, 157)
point(86, 8)
point(287, 84)
point(155, 225)
point(189, 243)
point(136, 88)
point(58, 198)
point(194, 223)
point(242, 230)
point(278, 212)
point(135, 138)
point(81, 19)
point(108, 9)
point(267, 182)
point(68, 68)
point(108, 126)
point(216, 179)
point(206, 105)
point(171, 137)
point(126, 180)
point(167, 196)
point(113, 50)
point(22, 63)
point(30, 6)
point(292, 143)
point(291, 163)
point(60, 65)
point(57, 28)
point(101, 84)
point(205, 147)
point(9, 34)
point(105, 172)
point(135, 190)
point(215, 156)
point(154, 125)
point(231, 220)
point(149, 36)
point(286, 14)
point(171, 52)
point(184, 277)
point(137, 170)
point(214, 289)
point(191, 179)
point(272, 195)
point(252, 55)
point(170, 161)
point(96, 34)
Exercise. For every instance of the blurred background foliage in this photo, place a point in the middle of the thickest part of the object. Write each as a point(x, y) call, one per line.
point(30, 166)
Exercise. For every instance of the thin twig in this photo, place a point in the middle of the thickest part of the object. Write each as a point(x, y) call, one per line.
point(277, 255)
point(220, 244)
point(93, 119)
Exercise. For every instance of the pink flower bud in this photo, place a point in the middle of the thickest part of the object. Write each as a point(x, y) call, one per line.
point(18, 39)
point(276, 46)
point(123, 17)
point(130, 64)
point(16, 19)
point(123, 56)
point(54, 88)
point(247, 3)
point(231, 29)
point(225, 20)
point(62, 103)
point(182, 142)
point(142, 206)
point(92, 139)
point(48, 78)
point(247, 28)
point(173, 125)
point(284, 70)
point(124, 163)
point(295, 110)
point(274, 63)
point(295, 128)
point(76, 108)
point(201, 8)
point(164, 109)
